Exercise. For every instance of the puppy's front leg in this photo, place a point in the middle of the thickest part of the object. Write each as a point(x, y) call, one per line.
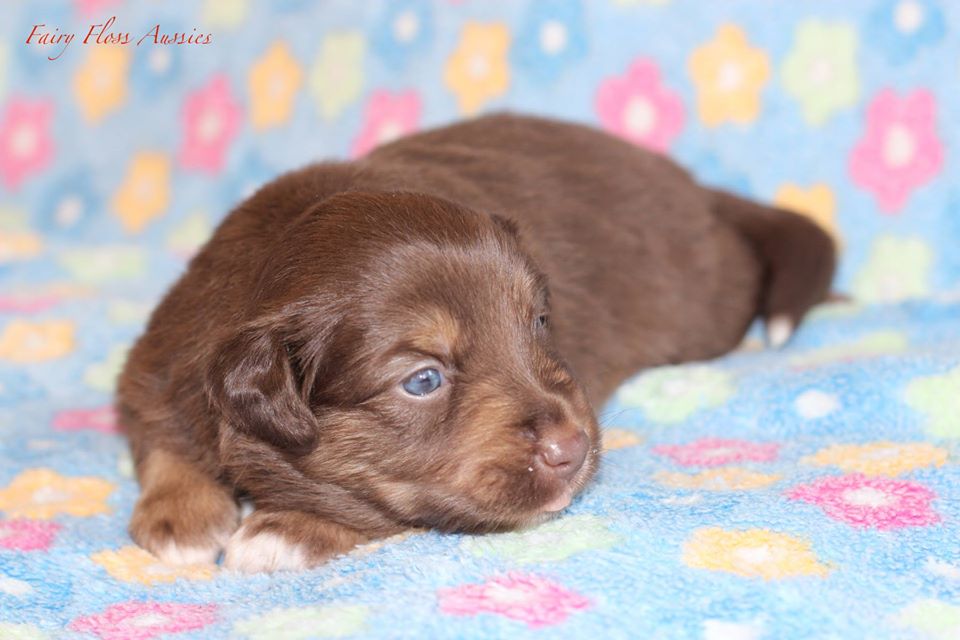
point(286, 541)
point(183, 515)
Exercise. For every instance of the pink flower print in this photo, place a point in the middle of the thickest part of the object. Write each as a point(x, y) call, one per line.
point(639, 108)
point(387, 117)
point(900, 150)
point(102, 419)
point(93, 7)
point(211, 119)
point(144, 620)
point(874, 502)
point(27, 535)
point(713, 452)
point(26, 303)
point(25, 142)
point(526, 598)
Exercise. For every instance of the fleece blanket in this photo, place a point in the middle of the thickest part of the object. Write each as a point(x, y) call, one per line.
point(808, 492)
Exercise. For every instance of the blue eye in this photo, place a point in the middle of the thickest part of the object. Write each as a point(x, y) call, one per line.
point(423, 382)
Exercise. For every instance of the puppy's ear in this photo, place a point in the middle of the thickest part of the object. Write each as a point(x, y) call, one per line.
point(251, 380)
point(506, 224)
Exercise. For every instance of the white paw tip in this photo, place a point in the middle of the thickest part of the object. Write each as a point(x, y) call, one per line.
point(176, 554)
point(779, 330)
point(263, 552)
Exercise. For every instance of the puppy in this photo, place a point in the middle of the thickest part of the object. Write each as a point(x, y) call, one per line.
point(420, 338)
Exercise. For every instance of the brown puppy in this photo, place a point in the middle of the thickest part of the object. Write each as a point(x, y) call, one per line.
point(419, 338)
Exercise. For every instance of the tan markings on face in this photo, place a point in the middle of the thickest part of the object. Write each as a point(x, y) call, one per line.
point(433, 330)
point(491, 448)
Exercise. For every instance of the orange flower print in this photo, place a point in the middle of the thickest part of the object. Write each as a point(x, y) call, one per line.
point(25, 342)
point(133, 564)
point(42, 494)
point(100, 84)
point(729, 75)
point(145, 192)
point(816, 203)
point(19, 245)
point(754, 553)
point(273, 84)
point(723, 479)
point(880, 458)
point(614, 438)
point(477, 71)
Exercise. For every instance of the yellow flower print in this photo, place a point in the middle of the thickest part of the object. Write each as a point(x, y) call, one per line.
point(478, 71)
point(133, 564)
point(100, 84)
point(880, 458)
point(26, 342)
point(725, 479)
point(145, 191)
point(44, 493)
point(273, 83)
point(729, 75)
point(816, 203)
point(754, 553)
point(619, 439)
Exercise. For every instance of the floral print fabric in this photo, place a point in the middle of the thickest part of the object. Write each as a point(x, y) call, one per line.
point(809, 492)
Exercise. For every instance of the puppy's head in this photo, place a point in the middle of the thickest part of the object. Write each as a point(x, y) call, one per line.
point(399, 349)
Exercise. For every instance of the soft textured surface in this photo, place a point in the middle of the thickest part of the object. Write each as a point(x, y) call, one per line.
point(812, 492)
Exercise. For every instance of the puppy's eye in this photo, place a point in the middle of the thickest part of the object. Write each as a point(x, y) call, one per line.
point(541, 321)
point(423, 382)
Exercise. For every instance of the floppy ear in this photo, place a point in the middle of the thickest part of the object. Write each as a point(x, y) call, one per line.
point(506, 224)
point(251, 381)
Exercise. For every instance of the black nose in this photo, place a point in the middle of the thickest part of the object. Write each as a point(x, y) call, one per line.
point(563, 450)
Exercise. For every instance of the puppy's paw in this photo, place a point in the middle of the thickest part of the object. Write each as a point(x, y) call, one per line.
point(184, 528)
point(286, 541)
point(256, 552)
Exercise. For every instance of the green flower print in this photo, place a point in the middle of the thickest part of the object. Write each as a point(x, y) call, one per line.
point(550, 542)
point(337, 76)
point(871, 345)
point(821, 71)
point(189, 235)
point(934, 619)
point(102, 376)
point(11, 631)
point(897, 269)
point(227, 14)
point(333, 621)
point(673, 394)
point(4, 57)
point(104, 264)
point(833, 310)
point(128, 312)
point(937, 397)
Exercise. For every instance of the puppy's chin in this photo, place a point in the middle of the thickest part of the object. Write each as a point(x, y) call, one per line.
point(515, 501)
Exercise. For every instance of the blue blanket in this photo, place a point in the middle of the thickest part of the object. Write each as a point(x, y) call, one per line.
point(808, 492)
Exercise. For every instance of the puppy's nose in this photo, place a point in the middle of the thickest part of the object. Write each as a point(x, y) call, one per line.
point(563, 451)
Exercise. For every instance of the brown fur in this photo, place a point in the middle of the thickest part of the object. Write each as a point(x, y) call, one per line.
point(272, 368)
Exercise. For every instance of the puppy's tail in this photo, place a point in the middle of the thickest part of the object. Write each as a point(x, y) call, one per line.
point(798, 259)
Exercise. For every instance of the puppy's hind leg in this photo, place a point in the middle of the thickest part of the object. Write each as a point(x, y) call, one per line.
point(798, 259)
point(183, 516)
